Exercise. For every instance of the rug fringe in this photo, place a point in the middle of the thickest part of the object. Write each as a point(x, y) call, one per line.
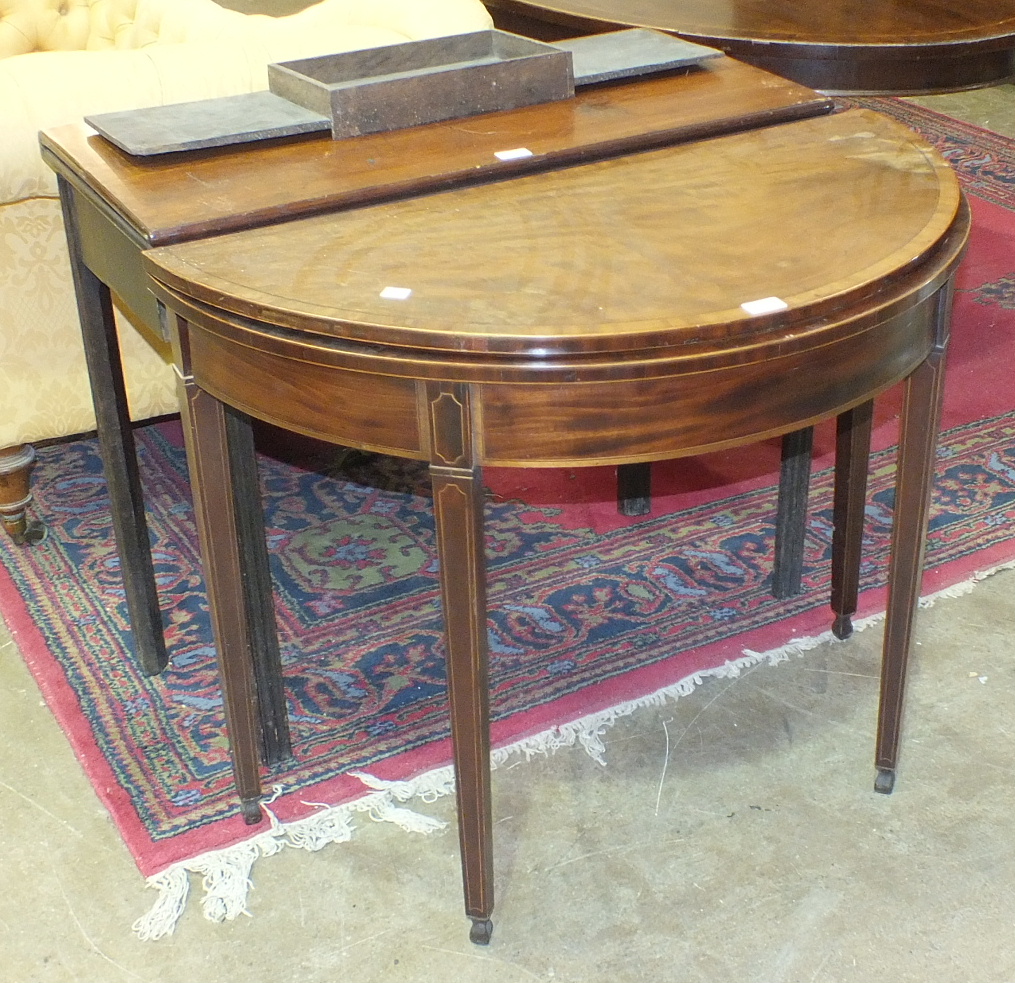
point(226, 873)
point(588, 731)
point(173, 886)
point(965, 586)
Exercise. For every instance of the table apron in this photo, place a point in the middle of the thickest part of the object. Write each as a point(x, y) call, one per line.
point(115, 258)
point(697, 412)
point(533, 424)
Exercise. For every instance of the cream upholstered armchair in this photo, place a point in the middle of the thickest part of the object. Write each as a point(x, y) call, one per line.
point(63, 59)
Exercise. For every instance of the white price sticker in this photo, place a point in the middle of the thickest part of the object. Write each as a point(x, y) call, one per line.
point(517, 154)
point(767, 305)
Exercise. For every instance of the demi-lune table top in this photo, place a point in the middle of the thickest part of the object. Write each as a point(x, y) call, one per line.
point(645, 258)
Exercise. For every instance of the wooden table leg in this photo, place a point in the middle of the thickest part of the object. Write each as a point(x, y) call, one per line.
point(458, 512)
point(116, 444)
point(918, 435)
point(634, 498)
point(276, 742)
point(791, 512)
point(220, 455)
point(205, 430)
point(634, 489)
point(852, 458)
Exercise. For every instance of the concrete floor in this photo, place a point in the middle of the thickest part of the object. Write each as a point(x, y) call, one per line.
point(753, 849)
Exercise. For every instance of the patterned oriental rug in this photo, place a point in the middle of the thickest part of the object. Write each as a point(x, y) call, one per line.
point(592, 615)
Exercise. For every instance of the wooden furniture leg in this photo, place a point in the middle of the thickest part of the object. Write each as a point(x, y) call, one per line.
point(458, 513)
point(230, 521)
point(918, 435)
point(852, 456)
point(634, 497)
point(276, 742)
point(791, 512)
point(634, 489)
point(116, 444)
point(206, 432)
point(16, 465)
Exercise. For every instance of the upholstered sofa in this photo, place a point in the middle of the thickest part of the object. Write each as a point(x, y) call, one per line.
point(63, 59)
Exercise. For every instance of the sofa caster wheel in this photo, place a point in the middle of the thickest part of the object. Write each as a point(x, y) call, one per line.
point(33, 534)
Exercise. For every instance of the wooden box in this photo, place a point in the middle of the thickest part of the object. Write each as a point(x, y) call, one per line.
point(395, 86)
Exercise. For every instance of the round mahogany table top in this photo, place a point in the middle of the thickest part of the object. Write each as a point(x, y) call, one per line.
point(850, 46)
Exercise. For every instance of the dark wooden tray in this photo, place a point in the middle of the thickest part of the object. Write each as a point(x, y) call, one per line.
point(396, 86)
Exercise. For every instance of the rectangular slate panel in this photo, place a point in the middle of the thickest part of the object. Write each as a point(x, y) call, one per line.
point(206, 123)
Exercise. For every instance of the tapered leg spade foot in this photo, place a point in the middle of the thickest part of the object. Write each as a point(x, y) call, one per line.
point(482, 929)
point(251, 811)
point(885, 781)
point(842, 627)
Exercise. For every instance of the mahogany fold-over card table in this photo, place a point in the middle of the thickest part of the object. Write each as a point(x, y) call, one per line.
point(650, 305)
point(116, 206)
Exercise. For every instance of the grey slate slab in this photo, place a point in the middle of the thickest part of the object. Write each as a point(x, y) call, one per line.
point(206, 123)
point(628, 53)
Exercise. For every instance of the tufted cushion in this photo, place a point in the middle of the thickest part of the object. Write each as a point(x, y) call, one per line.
point(40, 25)
point(61, 60)
point(93, 25)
